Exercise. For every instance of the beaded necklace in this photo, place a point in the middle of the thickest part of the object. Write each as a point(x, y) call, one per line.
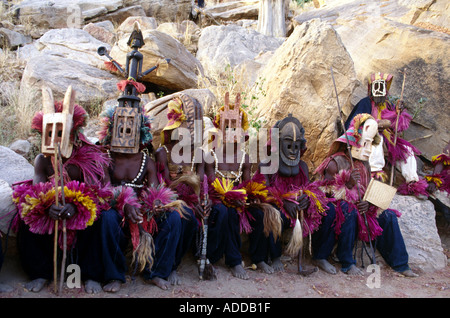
point(237, 175)
point(193, 157)
point(132, 183)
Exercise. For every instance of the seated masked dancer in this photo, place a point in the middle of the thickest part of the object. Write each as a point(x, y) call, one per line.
point(399, 152)
point(347, 186)
point(151, 211)
point(226, 166)
point(66, 194)
point(177, 160)
point(299, 203)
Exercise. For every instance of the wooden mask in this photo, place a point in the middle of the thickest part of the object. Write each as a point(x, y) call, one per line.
point(231, 120)
point(126, 130)
point(57, 126)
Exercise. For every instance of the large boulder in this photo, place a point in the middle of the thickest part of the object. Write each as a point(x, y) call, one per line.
point(167, 10)
point(90, 83)
point(183, 70)
point(7, 207)
point(418, 226)
point(231, 45)
point(298, 81)
point(75, 44)
point(63, 13)
point(13, 167)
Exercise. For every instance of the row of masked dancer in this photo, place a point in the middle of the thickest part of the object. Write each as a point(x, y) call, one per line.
point(128, 208)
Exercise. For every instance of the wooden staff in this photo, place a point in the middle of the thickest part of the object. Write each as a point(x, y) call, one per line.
point(63, 262)
point(396, 125)
point(352, 165)
point(203, 259)
point(55, 244)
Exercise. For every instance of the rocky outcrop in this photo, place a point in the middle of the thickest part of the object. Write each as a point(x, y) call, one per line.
point(418, 226)
point(183, 70)
point(298, 82)
point(394, 36)
point(90, 83)
point(231, 45)
point(14, 167)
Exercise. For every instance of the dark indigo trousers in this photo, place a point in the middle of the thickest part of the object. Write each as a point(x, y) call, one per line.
point(98, 250)
point(105, 260)
point(224, 236)
point(324, 239)
point(1, 256)
point(390, 243)
point(261, 247)
point(35, 253)
point(189, 228)
point(166, 241)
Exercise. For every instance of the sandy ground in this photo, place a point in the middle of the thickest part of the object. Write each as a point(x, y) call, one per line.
point(287, 284)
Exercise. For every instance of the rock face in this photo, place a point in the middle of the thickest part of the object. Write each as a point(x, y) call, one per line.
point(298, 81)
point(14, 167)
point(75, 44)
point(183, 69)
point(418, 227)
point(7, 207)
point(58, 73)
point(220, 46)
point(393, 36)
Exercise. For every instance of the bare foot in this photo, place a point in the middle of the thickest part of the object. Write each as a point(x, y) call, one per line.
point(174, 279)
point(277, 265)
point(324, 265)
point(36, 285)
point(113, 286)
point(265, 267)
point(92, 287)
point(239, 272)
point(354, 271)
point(161, 283)
point(409, 273)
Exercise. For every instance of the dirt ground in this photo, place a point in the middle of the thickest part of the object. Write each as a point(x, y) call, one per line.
point(287, 284)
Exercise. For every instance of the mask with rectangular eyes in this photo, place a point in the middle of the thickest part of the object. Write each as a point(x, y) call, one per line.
point(126, 130)
point(232, 120)
point(57, 126)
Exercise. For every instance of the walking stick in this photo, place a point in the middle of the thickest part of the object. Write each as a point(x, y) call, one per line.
point(352, 165)
point(55, 242)
point(396, 125)
point(206, 270)
point(63, 262)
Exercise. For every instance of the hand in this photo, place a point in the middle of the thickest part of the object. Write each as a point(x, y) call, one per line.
point(254, 201)
point(291, 208)
point(355, 178)
point(157, 207)
point(303, 202)
point(133, 214)
point(431, 187)
point(363, 206)
point(67, 211)
point(401, 106)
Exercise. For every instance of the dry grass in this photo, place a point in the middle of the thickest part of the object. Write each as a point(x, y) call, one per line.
point(17, 105)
